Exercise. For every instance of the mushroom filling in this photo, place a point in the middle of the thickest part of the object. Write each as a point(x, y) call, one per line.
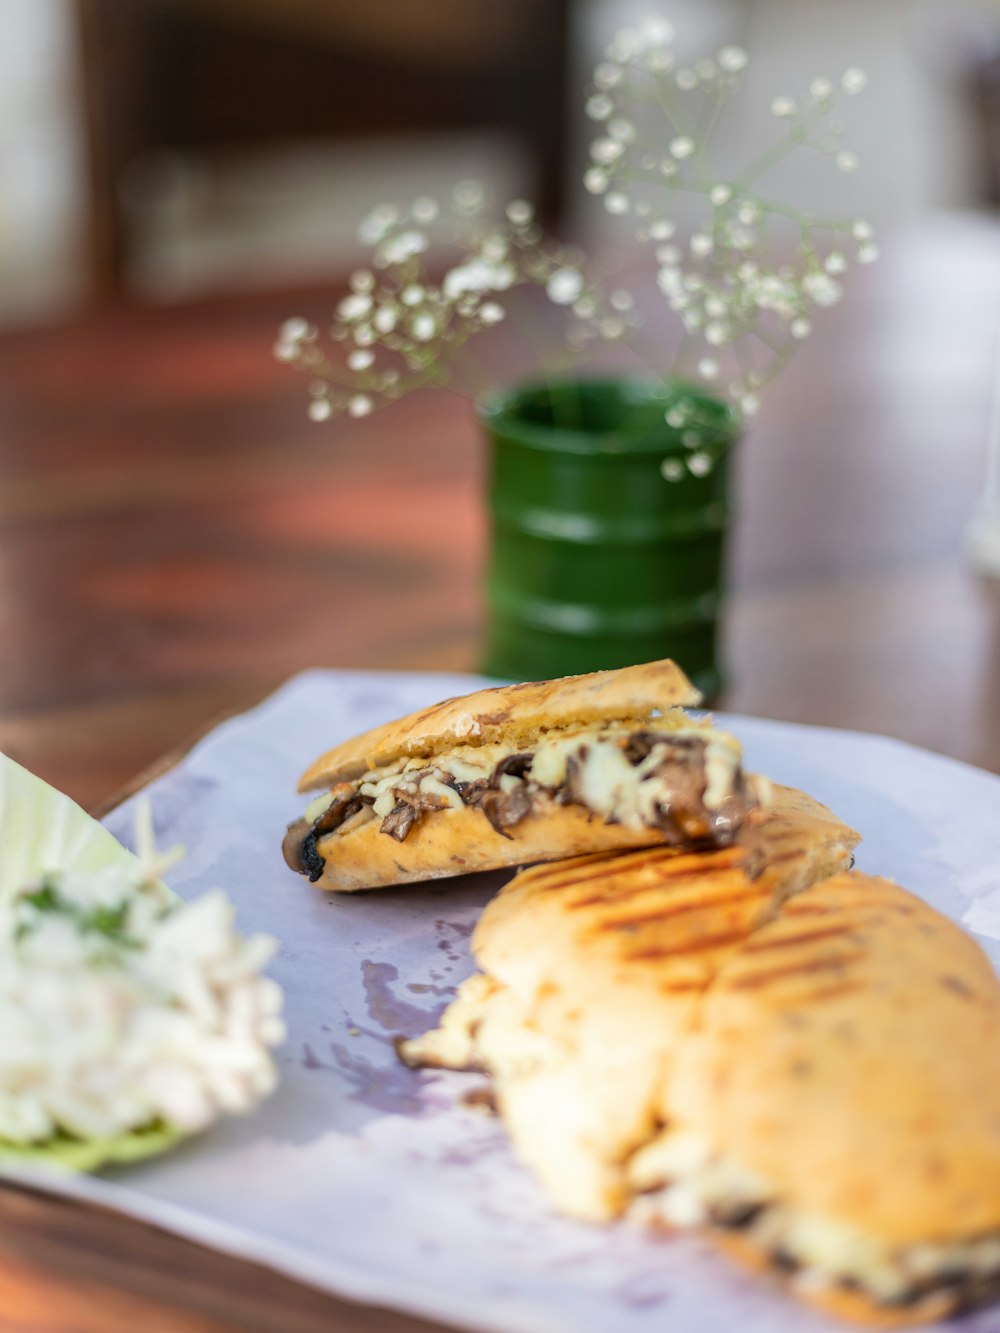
point(686, 783)
point(687, 1186)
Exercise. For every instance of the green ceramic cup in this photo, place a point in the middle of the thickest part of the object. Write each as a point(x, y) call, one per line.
point(597, 560)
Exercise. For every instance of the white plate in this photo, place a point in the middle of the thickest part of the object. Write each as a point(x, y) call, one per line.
point(377, 1183)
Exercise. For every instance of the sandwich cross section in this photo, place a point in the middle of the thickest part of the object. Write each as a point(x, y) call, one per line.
point(800, 1060)
point(594, 969)
point(520, 774)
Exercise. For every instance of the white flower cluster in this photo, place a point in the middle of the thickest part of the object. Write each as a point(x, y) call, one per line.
point(403, 328)
point(121, 1009)
point(745, 292)
point(746, 281)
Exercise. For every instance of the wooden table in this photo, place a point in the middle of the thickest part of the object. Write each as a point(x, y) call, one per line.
point(176, 538)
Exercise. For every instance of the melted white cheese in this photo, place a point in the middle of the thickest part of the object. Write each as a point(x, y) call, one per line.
point(431, 785)
point(384, 802)
point(607, 783)
point(318, 806)
point(722, 759)
point(694, 1184)
point(630, 794)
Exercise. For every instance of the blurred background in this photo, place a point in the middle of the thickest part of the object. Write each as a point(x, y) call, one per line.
point(170, 149)
point(181, 176)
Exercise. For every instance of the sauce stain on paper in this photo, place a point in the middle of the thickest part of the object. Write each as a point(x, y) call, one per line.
point(451, 937)
point(390, 1088)
point(392, 1014)
point(420, 988)
point(382, 1083)
point(393, 1089)
point(310, 1060)
point(643, 1292)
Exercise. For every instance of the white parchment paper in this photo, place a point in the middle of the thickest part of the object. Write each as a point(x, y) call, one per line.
point(378, 1183)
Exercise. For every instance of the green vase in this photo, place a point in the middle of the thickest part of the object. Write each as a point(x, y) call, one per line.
point(597, 559)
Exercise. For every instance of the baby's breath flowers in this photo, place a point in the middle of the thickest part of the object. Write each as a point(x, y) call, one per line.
point(746, 274)
point(404, 325)
point(750, 275)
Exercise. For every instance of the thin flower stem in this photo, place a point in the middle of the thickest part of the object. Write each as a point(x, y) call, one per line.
point(706, 131)
point(526, 332)
point(665, 100)
point(806, 221)
point(748, 276)
point(470, 366)
point(686, 346)
point(797, 137)
point(765, 162)
point(645, 359)
point(324, 370)
point(746, 364)
point(641, 177)
point(781, 359)
point(755, 331)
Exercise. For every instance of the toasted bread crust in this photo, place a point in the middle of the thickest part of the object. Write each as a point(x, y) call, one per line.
point(460, 842)
point(596, 968)
point(822, 1031)
point(854, 1043)
point(855, 1306)
point(626, 905)
point(842, 1302)
point(509, 714)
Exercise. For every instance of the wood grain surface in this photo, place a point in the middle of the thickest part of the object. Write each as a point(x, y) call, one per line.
point(176, 538)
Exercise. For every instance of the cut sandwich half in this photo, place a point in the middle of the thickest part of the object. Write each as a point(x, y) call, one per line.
point(806, 1069)
point(836, 1112)
point(519, 774)
point(593, 969)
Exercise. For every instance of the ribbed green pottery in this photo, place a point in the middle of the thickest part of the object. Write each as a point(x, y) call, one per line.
point(597, 560)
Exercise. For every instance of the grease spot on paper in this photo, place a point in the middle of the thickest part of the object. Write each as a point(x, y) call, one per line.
point(385, 1008)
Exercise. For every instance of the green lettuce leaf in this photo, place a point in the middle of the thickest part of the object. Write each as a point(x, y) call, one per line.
point(91, 1154)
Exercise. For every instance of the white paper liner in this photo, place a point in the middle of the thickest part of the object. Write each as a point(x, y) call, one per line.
point(378, 1183)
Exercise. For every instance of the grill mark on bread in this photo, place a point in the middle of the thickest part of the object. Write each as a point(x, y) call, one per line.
point(679, 863)
point(779, 858)
point(959, 987)
point(831, 992)
point(567, 884)
point(626, 887)
point(702, 944)
point(669, 911)
point(625, 892)
point(759, 946)
point(592, 867)
point(804, 967)
point(804, 908)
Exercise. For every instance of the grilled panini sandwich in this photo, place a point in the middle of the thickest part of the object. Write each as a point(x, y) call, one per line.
point(809, 1074)
point(522, 773)
point(836, 1112)
point(593, 969)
